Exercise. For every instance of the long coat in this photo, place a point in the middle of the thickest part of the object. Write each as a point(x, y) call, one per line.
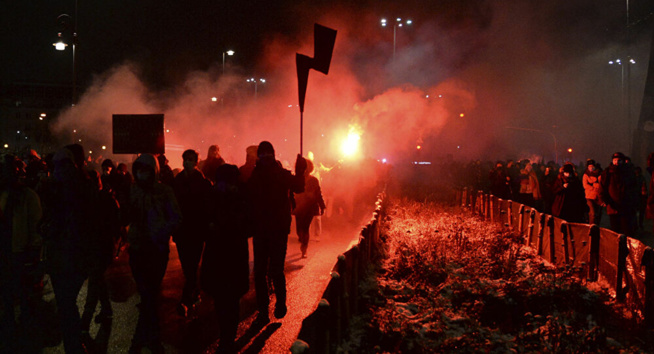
point(569, 203)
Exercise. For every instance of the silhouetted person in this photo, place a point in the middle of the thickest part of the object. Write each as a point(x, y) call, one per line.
point(154, 216)
point(593, 189)
point(209, 166)
point(620, 194)
point(307, 205)
point(166, 175)
point(225, 268)
point(245, 171)
point(268, 190)
point(109, 176)
point(641, 186)
point(68, 228)
point(569, 197)
point(500, 181)
point(192, 191)
point(20, 247)
point(101, 251)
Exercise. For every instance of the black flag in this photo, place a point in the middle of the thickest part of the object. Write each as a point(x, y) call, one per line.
point(323, 47)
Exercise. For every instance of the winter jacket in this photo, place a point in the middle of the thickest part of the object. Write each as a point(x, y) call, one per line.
point(25, 213)
point(269, 190)
point(153, 212)
point(569, 202)
point(592, 187)
point(309, 202)
point(225, 268)
point(192, 191)
point(619, 190)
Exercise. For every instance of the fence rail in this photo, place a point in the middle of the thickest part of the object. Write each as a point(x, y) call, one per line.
point(623, 265)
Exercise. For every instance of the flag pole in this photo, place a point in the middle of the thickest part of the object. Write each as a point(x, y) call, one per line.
point(301, 130)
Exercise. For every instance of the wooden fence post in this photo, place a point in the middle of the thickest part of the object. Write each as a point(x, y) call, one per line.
point(464, 197)
point(564, 232)
point(623, 251)
point(648, 262)
point(593, 261)
point(521, 219)
point(492, 208)
point(541, 233)
point(510, 214)
point(337, 309)
point(530, 232)
point(550, 224)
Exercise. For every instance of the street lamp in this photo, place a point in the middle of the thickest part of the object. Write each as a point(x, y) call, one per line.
point(230, 53)
point(398, 23)
point(625, 75)
point(67, 23)
point(261, 80)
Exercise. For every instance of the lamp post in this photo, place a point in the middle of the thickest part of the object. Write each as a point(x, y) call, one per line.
point(228, 52)
point(261, 80)
point(625, 90)
point(67, 23)
point(398, 23)
point(556, 151)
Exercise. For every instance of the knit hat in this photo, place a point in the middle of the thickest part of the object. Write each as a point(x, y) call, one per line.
point(568, 167)
point(618, 155)
point(590, 162)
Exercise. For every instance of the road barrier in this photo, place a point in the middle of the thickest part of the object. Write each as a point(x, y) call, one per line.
point(620, 264)
point(325, 327)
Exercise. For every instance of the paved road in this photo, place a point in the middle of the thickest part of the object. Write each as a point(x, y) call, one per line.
point(306, 280)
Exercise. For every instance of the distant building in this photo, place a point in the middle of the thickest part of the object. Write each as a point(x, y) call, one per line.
point(26, 112)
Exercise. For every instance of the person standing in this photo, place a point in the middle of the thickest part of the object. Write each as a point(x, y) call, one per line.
point(569, 198)
point(225, 269)
point(641, 186)
point(192, 191)
point(209, 166)
point(592, 190)
point(20, 249)
point(153, 216)
point(67, 230)
point(307, 204)
point(620, 194)
point(268, 190)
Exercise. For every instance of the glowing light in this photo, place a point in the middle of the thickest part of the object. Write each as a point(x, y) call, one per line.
point(461, 115)
point(74, 130)
point(6, 146)
point(60, 45)
point(570, 150)
point(350, 145)
point(214, 99)
point(104, 147)
point(17, 131)
point(418, 147)
point(310, 155)
point(90, 151)
point(167, 130)
point(230, 52)
point(383, 160)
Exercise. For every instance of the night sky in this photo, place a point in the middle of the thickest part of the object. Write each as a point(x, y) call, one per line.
point(541, 65)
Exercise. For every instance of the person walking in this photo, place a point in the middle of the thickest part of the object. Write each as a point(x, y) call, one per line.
point(620, 194)
point(307, 204)
point(107, 219)
point(592, 190)
point(192, 191)
point(153, 216)
point(225, 269)
point(268, 191)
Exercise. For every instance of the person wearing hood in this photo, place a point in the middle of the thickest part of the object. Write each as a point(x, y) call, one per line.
point(209, 166)
point(68, 230)
point(153, 217)
point(20, 248)
point(592, 189)
point(569, 198)
point(308, 204)
point(269, 191)
point(620, 193)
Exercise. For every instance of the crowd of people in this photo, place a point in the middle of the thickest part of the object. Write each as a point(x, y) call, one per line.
point(60, 212)
point(580, 193)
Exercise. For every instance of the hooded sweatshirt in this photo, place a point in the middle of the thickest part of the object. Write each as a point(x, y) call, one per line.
point(153, 211)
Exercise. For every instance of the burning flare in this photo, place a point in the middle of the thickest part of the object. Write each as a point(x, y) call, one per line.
point(350, 145)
